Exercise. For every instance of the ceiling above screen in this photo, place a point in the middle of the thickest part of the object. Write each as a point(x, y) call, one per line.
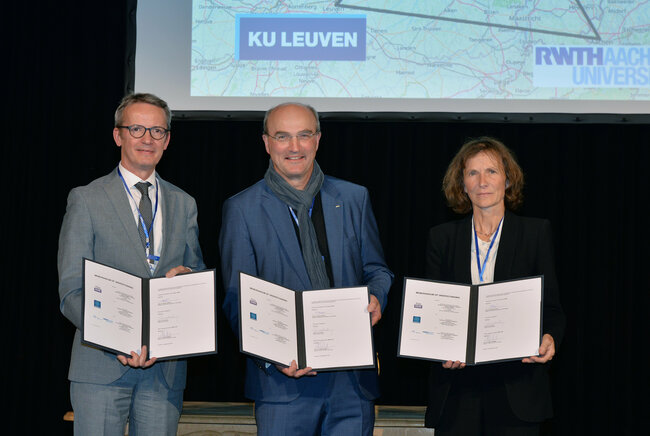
point(489, 56)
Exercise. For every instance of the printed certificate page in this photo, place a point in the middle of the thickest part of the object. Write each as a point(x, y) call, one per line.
point(509, 320)
point(434, 320)
point(112, 308)
point(182, 315)
point(267, 320)
point(338, 330)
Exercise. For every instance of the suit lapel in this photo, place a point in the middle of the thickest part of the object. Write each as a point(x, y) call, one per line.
point(463, 251)
point(278, 215)
point(167, 210)
point(119, 199)
point(333, 216)
point(506, 252)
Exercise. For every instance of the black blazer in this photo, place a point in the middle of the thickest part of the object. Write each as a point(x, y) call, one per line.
point(525, 249)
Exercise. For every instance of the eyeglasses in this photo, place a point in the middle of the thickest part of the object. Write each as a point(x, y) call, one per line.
point(302, 136)
point(138, 131)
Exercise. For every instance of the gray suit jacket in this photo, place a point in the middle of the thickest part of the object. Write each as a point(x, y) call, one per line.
point(99, 225)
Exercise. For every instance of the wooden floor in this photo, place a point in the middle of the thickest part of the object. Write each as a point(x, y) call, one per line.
point(221, 419)
point(231, 419)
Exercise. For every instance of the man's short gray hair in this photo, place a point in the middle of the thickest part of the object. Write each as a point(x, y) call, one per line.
point(130, 99)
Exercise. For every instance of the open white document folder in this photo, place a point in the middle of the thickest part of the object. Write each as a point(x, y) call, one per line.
point(472, 324)
point(326, 330)
point(175, 317)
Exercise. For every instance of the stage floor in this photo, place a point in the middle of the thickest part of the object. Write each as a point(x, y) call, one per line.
point(204, 418)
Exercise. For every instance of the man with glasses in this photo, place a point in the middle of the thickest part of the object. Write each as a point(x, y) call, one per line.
point(304, 230)
point(135, 221)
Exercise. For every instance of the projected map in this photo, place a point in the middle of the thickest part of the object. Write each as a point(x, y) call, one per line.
point(490, 49)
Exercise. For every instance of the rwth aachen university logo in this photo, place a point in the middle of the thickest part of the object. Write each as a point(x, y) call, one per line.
point(300, 37)
point(592, 66)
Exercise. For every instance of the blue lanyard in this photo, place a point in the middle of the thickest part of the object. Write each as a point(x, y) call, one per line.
point(478, 257)
point(295, 218)
point(146, 231)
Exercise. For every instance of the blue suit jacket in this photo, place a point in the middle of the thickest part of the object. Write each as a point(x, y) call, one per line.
point(258, 238)
point(99, 225)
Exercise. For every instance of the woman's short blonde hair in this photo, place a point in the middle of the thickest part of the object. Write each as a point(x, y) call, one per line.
point(452, 183)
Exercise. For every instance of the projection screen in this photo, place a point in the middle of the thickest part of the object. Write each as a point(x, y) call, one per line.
point(484, 56)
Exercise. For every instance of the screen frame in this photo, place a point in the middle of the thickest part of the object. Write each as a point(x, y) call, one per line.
point(437, 110)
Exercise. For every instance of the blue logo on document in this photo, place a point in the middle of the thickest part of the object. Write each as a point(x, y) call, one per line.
point(298, 37)
point(417, 319)
point(97, 304)
point(253, 315)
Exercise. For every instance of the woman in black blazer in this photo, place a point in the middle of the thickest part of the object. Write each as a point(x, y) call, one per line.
point(510, 398)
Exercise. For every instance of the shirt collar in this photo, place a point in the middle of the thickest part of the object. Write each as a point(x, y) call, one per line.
point(131, 179)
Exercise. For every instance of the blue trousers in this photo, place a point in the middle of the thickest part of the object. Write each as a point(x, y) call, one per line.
point(331, 405)
point(140, 395)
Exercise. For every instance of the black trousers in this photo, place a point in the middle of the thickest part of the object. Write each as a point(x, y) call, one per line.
point(481, 408)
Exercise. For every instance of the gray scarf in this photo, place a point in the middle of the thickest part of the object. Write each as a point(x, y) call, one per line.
point(301, 202)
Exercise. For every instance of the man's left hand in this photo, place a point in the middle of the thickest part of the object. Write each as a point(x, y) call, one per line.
point(374, 308)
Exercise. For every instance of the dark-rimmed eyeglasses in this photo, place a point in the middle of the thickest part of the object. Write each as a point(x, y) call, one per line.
point(138, 131)
point(302, 136)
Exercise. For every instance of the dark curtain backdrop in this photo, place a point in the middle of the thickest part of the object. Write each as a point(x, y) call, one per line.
point(66, 75)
